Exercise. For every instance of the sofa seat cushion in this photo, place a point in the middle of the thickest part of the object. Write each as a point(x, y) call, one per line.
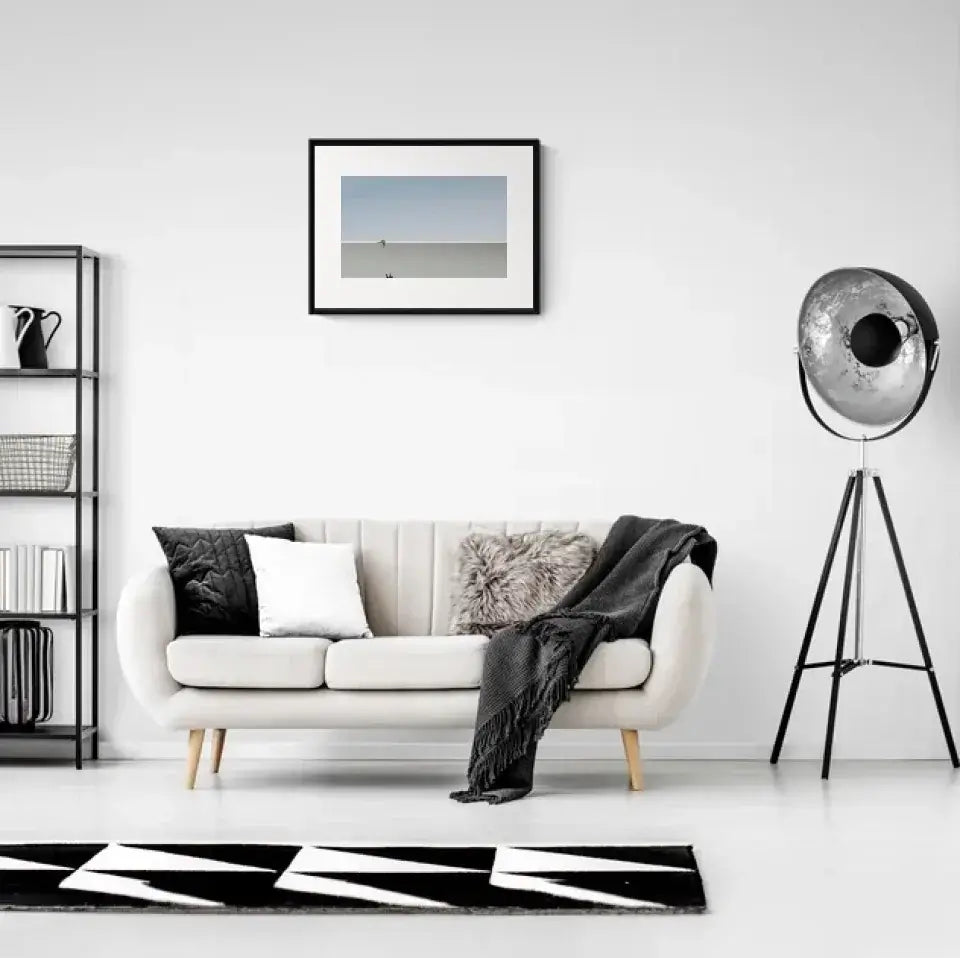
point(406, 662)
point(248, 662)
point(623, 664)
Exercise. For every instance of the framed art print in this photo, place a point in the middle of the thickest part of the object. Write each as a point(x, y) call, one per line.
point(424, 226)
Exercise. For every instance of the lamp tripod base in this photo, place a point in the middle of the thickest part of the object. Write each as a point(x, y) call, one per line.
point(853, 499)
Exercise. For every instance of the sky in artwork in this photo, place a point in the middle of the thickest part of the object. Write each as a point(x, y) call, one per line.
point(423, 209)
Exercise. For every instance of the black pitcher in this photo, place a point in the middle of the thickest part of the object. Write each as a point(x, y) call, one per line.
point(33, 346)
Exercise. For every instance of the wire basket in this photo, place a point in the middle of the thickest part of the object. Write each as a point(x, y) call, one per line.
point(36, 463)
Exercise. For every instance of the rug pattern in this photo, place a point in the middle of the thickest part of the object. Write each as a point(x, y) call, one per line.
point(350, 878)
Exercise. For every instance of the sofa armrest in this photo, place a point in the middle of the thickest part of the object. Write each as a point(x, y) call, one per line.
point(146, 624)
point(684, 630)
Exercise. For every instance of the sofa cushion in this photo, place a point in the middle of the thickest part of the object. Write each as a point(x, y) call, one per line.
point(623, 664)
point(248, 662)
point(406, 662)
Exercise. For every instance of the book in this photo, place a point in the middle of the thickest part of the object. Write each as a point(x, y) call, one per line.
point(28, 580)
point(31, 574)
point(37, 595)
point(22, 579)
point(49, 599)
point(61, 583)
point(70, 578)
point(10, 580)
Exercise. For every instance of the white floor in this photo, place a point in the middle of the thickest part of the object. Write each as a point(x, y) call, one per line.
point(868, 864)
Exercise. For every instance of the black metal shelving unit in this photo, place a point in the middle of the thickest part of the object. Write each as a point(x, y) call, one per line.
point(85, 263)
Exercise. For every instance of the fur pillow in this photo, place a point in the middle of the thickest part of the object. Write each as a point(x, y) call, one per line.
point(503, 580)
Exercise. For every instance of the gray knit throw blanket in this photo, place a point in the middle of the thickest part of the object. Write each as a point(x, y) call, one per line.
point(528, 671)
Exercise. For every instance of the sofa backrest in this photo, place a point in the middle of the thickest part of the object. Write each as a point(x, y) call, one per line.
point(407, 568)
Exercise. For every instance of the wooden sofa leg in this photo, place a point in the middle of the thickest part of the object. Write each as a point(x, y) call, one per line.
point(194, 748)
point(631, 748)
point(219, 734)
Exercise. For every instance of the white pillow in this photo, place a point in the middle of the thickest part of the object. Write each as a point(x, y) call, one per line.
point(307, 588)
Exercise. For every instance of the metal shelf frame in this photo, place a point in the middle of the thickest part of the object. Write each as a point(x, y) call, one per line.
point(85, 263)
point(46, 373)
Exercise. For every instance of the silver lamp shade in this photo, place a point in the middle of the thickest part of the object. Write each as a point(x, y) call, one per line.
point(867, 343)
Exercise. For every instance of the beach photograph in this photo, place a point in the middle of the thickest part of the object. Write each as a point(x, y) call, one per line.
point(423, 227)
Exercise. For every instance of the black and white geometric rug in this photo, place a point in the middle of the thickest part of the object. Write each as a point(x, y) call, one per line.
point(350, 878)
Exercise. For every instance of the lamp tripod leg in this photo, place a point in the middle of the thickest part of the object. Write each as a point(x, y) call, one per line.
point(915, 616)
point(842, 631)
point(812, 621)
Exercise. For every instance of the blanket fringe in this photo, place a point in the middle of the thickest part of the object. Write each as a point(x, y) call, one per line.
point(513, 731)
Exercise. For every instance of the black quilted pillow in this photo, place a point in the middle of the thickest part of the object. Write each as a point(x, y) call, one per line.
point(213, 579)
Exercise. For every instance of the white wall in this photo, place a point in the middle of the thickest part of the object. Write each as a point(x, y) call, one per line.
point(704, 162)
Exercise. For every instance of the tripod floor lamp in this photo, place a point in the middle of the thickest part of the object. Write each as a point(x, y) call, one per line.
point(868, 345)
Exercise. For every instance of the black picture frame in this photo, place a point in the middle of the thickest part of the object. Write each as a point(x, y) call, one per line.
point(536, 272)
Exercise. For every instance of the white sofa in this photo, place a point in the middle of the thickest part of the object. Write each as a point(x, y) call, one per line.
point(412, 674)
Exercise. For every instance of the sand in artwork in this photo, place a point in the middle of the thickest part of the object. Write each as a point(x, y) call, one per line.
point(423, 227)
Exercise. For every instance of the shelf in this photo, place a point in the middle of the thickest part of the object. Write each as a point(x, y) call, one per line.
point(48, 732)
point(47, 252)
point(6, 373)
point(83, 264)
point(69, 494)
point(84, 614)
